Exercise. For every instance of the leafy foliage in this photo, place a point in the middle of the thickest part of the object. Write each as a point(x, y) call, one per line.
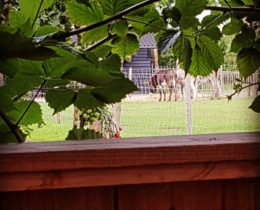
point(198, 44)
point(93, 39)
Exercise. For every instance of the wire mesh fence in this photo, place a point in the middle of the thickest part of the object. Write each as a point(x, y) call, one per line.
point(143, 115)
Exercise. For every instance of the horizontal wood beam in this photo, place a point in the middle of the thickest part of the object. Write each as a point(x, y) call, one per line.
point(53, 165)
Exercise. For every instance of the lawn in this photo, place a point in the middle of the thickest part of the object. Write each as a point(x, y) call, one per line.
point(163, 118)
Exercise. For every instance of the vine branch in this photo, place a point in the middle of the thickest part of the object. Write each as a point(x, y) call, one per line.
point(240, 89)
point(233, 9)
point(13, 127)
point(64, 35)
point(145, 23)
point(38, 11)
point(30, 104)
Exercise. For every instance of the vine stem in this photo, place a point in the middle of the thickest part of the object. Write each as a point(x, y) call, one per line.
point(233, 9)
point(143, 22)
point(12, 127)
point(30, 104)
point(240, 89)
point(63, 35)
point(38, 11)
point(210, 23)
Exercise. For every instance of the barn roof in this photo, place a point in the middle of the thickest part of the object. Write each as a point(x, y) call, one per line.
point(148, 41)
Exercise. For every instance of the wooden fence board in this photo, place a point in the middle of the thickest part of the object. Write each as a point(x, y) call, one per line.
point(240, 194)
point(145, 197)
point(197, 196)
point(129, 152)
point(200, 172)
point(68, 199)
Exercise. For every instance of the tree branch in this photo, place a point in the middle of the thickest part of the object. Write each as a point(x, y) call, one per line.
point(63, 35)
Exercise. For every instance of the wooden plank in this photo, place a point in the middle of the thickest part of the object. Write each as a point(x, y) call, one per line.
point(128, 152)
point(128, 175)
point(144, 197)
point(240, 195)
point(197, 196)
point(80, 199)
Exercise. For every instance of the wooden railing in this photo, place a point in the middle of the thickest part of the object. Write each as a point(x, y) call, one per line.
point(199, 172)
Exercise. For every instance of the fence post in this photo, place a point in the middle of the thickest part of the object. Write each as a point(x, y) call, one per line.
point(130, 74)
point(188, 104)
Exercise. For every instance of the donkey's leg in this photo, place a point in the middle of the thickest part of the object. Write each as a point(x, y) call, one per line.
point(160, 94)
point(170, 96)
point(164, 94)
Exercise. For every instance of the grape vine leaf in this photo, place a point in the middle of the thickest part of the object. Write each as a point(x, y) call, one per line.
point(255, 106)
point(30, 10)
point(211, 51)
point(199, 63)
point(22, 47)
point(86, 100)
point(95, 34)
point(248, 61)
point(84, 14)
point(32, 116)
point(120, 28)
point(233, 27)
point(59, 99)
point(125, 46)
point(245, 39)
point(80, 133)
point(168, 39)
point(114, 91)
point(190, 7)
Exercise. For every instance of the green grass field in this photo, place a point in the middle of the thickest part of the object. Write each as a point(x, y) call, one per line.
point(163, 118)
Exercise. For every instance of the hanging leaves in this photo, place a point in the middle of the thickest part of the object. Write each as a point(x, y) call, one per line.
point(84, 14)
point(168, 39)
point(60, 99)
point(255, 106)
point(199, 63)
point(248, 61)
point(125, 46)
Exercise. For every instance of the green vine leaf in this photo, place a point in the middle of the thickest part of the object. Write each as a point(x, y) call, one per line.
point(233, 27)
point(112, 7)
point(186, 53)
point(80, 133)
point(95, 35)
point(114, 91)
point(190, 7)
point(86, 100)
point(32, 116)
point(59, 99)
point(255, 106)
point(168, 39)
point(199, 63)
point(211, 51)
point(248, 61)
point(125, 46)
point(30, 10)
point(84, 14)
point(245, 39)
point(15, 45)
point(213, 33)
point(121, 28)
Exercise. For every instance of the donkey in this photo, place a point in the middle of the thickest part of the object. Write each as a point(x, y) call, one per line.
point(163, 80)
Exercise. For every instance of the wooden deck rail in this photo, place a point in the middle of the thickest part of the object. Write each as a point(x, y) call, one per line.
point(215, 171)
